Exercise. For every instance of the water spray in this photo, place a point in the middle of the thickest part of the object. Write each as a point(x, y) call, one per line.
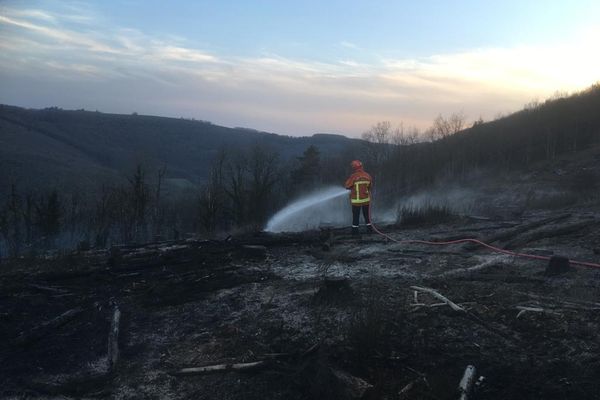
point(284, 220)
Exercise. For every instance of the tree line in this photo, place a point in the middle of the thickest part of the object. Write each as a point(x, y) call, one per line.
point(245, 187)
point(452, 149)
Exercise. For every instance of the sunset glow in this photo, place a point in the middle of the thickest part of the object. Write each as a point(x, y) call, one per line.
point(79, 55)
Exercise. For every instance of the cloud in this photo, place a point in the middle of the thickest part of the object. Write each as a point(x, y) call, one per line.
point(349, 45)
point(34, 14)
point(276, 93)
point(60, 37)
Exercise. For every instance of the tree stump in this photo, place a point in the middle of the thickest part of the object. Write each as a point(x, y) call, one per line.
point(558, 265)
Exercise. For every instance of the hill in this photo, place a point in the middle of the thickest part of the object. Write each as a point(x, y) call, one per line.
point(52, 147)
point(541, 132)
point(541, 157)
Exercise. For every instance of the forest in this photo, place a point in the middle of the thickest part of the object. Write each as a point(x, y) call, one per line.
point(243, 186)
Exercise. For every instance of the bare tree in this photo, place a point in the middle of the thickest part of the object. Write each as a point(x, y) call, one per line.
point(236, 185)
point(48, 218)
point(212, 195)
point(377, 141)
point(157, 210)
point(379, 133)
point(405, 137)
point(443, 127)
point(101, 220)
point(10, 222)
point(263, 168)
point(139, 197)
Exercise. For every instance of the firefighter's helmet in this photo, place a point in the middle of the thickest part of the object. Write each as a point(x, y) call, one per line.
point(356, 165)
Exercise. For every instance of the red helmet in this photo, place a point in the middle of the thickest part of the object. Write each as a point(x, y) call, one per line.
point(356, 164)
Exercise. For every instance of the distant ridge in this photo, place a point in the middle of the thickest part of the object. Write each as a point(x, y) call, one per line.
point(51, 147)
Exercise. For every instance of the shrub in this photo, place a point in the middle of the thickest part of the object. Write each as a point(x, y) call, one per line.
point(427, 213)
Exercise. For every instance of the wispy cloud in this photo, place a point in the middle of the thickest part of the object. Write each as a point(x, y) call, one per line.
point(34, 14)
point(277, 93)
point(348, 45)
point(61, 37)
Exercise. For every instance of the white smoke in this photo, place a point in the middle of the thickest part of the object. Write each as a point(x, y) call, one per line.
point(326, 207)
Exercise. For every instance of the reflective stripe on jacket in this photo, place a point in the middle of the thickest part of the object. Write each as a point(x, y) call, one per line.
point(359, 184)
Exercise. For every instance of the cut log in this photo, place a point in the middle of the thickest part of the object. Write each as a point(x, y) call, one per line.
point(220, 368)
point(567, 302)
point(511, 233)
point(466, 383)
point(350, 386)
point(492, 262)
point(524, 309)
point(38, 332)
point(403, 393)
point(549, 232)
point(438, 296)
point(48, 289)
point(113, 339)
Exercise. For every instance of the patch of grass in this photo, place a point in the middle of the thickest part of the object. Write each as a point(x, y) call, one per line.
point(554, 201)
point(424, 214)
point(584, 182)
point(369, 325)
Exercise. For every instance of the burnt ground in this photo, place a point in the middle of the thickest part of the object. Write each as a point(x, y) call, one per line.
point(328, 315)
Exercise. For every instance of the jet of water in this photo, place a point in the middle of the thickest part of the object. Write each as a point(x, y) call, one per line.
point(288, 219)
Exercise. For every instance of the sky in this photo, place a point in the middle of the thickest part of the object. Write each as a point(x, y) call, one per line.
point(297, 67)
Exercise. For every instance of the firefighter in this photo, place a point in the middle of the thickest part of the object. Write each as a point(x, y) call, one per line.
point(359, 184)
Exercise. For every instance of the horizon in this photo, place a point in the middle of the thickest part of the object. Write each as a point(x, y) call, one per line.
point(285, 69)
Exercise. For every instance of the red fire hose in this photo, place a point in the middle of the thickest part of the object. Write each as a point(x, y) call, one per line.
point(479, 242)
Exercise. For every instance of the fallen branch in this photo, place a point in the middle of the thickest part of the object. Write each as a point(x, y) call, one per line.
point(494, 261)
point(437, 295)
point(40, 331)
point(113, 339)
point(466, 382)
point(219, 368)
point(585, 305)
point(524, 309)
point(49, 289)
point(511, 233)
point(460, 309)
point(549, 232)
point(350, 386)
point(404, 391)
point(438, 304)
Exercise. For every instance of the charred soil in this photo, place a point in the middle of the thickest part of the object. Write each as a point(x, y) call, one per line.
point(315, 315)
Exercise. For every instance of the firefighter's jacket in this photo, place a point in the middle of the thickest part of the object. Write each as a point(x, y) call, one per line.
point(359, 184)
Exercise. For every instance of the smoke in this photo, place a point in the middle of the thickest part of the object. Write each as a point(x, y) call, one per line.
point(330, 207)
point(458, 200)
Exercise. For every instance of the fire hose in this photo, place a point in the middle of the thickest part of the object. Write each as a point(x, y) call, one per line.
point(479, 242)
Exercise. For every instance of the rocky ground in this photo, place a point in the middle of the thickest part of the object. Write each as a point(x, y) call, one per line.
point(315, 315)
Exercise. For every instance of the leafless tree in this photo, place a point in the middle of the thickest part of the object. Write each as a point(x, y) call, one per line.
point(405, 136)
point(236, 183)
point(212, 194)
point(10, 222)
point(377, 140)
point(263, 168)
point(157, 209)
point(443, 127)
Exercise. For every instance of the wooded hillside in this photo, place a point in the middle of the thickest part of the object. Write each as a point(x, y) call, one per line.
point(54, 148)
point(128, 166)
